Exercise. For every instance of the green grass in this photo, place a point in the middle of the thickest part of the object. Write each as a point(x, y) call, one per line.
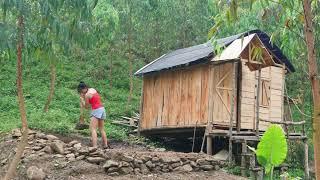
point(292, 173)
point(64, 110)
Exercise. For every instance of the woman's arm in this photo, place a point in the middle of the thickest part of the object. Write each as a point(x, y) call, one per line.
point(86, 99)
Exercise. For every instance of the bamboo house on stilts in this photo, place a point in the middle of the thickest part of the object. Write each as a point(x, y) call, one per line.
point(235, 93)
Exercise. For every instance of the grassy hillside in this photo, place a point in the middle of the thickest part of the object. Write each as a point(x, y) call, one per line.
point(64, 110)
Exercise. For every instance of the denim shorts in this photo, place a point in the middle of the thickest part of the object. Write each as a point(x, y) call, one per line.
point(99, 113)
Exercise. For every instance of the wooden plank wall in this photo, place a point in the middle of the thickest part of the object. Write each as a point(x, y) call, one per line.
point(276, 99)
point(248, 93)
point(220, 95)
point(183, 97)
point(176, 98)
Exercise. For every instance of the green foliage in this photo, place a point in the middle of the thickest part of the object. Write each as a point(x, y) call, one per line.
point(283, 21)
point(64, 110)
point(295, 174)
point(256, 54)
point(88, 41)
point(272, 148)
point(236, 170)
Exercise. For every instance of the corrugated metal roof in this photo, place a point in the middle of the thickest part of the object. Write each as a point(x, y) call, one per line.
point(196, 53)
point(234, 50)
point(178, 57)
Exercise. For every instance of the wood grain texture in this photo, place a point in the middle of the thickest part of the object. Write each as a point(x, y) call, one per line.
point(272, 77)
point(182, 97)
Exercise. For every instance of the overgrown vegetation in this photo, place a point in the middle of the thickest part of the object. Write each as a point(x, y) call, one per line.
point(99, 58)
point(64, 111)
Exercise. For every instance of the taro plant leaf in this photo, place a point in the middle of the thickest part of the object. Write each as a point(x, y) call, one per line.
point(272, 148)
point(252, 149)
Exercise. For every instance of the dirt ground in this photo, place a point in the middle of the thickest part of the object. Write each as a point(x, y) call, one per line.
point(58, 169)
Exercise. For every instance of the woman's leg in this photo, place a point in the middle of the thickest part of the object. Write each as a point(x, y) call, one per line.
point(93, 129)
point(103, 133)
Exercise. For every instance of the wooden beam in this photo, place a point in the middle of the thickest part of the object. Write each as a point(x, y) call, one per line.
point(224, 88)
point(284, 122)
point(129, 119)
point(122, 124)
point(239, 87)
point(297, 137)
point(247, 138)
point(258, 102)
point(234, 84)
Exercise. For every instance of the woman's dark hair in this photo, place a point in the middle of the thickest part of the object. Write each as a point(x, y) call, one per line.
point(81, 86)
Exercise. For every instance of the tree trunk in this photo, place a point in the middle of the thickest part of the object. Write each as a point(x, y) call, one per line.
point(313, 73)
point(111, 67)
point(52, 83)
point(22, 144)
point(184, 25)
point(130, 58)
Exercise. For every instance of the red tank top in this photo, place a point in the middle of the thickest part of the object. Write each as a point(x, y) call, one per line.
point(95, 101)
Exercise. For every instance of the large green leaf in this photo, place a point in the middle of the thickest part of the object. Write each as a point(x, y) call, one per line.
point(272, 148)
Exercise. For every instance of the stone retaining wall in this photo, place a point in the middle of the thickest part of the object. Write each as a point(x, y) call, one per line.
point(116, 161)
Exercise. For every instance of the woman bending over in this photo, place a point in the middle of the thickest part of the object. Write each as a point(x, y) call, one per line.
point(90, 97)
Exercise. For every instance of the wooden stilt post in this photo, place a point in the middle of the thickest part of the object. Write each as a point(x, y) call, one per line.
point(243, 157)
point(209, 145)
point(233, 95)
point(194, 136)
point(203, 139)
point(252, 166)
point(258, 102)
point(238, 84)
